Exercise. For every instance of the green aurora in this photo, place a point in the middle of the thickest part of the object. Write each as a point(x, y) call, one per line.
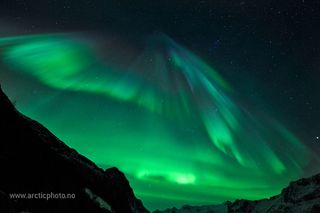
point(167, 119)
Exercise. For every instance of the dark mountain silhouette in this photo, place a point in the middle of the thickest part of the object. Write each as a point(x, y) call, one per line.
point(33, 160)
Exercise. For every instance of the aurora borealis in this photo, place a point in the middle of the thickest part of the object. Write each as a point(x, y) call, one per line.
point(182, 130)
point(168, 121)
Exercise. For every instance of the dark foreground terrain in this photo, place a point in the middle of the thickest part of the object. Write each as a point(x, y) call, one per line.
point(33, 161)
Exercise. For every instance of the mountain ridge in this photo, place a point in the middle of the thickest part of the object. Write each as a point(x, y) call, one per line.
point(302, 195)
point(33, 160)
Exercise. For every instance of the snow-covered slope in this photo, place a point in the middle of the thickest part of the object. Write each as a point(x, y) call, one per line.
point(300, 196)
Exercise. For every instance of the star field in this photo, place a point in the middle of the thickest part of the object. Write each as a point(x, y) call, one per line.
point(197, 102)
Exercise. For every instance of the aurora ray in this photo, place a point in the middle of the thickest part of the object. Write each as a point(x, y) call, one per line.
point(167, 119)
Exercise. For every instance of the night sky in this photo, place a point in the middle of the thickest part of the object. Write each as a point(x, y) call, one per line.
point(197, 102)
